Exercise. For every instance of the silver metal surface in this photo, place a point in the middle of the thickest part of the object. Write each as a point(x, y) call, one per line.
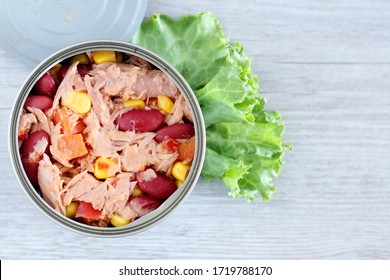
point(172, 202)
point(41, 27)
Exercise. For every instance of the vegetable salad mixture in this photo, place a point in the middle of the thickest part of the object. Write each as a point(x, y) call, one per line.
point(106, 138)
point(244, 141)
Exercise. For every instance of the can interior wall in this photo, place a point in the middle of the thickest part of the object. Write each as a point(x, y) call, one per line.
point(172, 202)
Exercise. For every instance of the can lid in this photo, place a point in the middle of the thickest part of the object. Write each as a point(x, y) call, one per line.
point(34, 29)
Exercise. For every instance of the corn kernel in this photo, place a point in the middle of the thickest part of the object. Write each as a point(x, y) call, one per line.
point(165, 103)
point(77, 101)
point(54, 70)
point(134, 103)
point(104, 56)
point(105, 168)
point(179, 183)
point(118, 220)
point(71, 209)
point(82, 58)
point(137, 192)
point(180, 171)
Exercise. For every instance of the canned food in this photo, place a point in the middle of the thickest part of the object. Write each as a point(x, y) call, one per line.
point(129, 120)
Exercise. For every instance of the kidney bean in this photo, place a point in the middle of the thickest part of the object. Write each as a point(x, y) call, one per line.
point(83, 69)
point(160, 187)
point(62, 72)
point(42, 102)
point(140, 120)
point(31, 170)
point(144, 204)
point(32, 140)
point(175, 131)
point(31, 167)
point(46, 85)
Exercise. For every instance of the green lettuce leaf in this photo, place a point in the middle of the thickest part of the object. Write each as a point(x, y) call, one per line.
point(244, 141)
point(227, 92)
point(257, 146)
point(195, 45)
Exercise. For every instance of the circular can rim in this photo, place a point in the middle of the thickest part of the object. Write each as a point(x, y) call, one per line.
point(172, 202)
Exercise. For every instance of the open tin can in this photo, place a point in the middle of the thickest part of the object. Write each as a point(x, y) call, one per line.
point(171, 202)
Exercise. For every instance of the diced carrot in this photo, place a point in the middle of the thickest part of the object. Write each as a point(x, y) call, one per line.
point(187, 150)
point(62, 116)
point(72, 146)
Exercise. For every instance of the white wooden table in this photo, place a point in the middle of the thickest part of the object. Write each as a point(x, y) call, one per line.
point(325, 65)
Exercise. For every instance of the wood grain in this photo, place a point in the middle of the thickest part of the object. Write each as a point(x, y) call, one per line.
point(325, 65)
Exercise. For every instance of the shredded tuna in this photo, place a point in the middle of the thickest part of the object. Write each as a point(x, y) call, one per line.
point(119, 78)
point(147, 175)
point(104, 196)
point(161, 159)
point(74, 121)
point(115, 168)
point(132, 160)
point(25, 123)
point(42, 120)
point(135, 156)
point(55, 146)
point(96, 195)
point(127, 212)
point(129, 81)
point(154, 84)
point(144, 138)
point(179, 109)
point(128, 175)
point(137, 61)
point(113, 105)
point(99, 106)
point(116, 199)
point(72, 81)
point(50, 183)
point(120, 138)
point(79, 185)
point(83, 163)
point(103, 147)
